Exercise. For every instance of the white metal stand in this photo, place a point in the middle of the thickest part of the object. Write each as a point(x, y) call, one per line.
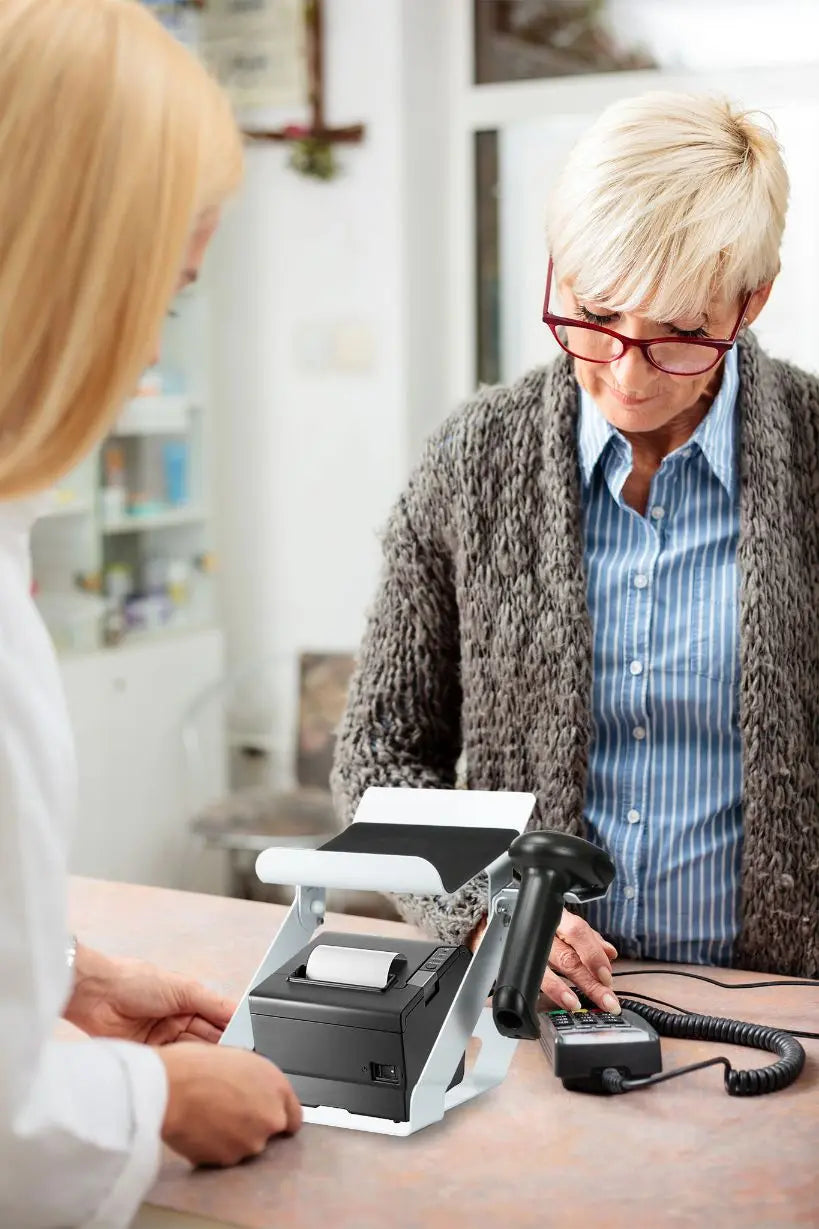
point(303, 917)
point(468, 1017)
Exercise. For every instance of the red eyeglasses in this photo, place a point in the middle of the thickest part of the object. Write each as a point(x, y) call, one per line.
point(677, 356)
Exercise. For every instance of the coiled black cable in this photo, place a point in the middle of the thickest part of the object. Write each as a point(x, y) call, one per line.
point(787, 1068)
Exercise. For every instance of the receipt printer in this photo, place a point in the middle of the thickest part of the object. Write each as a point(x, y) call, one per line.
point(372, 1031)
point(352, 1025)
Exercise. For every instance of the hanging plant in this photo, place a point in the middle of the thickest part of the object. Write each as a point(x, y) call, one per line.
point(310, 154)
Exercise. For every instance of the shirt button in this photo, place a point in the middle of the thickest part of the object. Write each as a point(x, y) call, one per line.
point(687, 453)
point(629, 892)
point(633, 817)
point(639, 732)
point(636, 667)
point(640, 581)
point(657, 512)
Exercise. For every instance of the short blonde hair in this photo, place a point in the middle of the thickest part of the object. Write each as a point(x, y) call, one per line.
point(665, 202)
point(114, 141)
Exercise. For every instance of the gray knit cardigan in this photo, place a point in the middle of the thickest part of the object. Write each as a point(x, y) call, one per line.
point(480, 639)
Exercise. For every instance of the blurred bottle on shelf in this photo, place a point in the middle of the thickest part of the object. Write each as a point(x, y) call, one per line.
point(179, 591)
point(202, 585)
point(119, 585)
point(114, 494)
point(175, 468)
point(151, 383)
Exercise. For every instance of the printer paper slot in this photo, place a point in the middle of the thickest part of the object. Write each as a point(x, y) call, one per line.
point(362, 968)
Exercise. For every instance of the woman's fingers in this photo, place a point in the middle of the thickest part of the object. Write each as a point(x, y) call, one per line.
point(558, 991)
point(565, 960)
point(584, 958)
point(588, 945)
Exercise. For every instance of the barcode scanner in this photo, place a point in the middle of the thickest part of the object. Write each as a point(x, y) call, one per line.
point(592, 1050)
point(553, 868)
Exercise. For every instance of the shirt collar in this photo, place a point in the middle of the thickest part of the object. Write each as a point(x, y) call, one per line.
point(715, 436)
point(716, 433)
point(594, 435)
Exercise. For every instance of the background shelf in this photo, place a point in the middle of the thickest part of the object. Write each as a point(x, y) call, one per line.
point(154, 415)
point(158, 520)
point(105, 577)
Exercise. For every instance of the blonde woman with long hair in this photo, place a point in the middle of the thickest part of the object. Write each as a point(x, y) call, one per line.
point(118, 152)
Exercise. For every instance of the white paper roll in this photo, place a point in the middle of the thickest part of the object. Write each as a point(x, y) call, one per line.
point(350, 966)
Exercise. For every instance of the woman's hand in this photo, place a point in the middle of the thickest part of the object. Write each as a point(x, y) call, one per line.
point(224, 1104)
point(582, 955)
point(132, 1001)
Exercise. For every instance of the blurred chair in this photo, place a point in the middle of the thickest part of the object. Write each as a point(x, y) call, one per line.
point(277, 719)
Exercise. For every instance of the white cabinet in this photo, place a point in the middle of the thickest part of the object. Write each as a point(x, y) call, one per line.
point(128, 707)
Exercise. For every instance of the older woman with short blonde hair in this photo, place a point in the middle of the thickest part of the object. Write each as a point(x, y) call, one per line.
point(118, 152)
point(601, 582)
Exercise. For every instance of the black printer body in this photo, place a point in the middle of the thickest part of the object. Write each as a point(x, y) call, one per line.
point(358, 1048)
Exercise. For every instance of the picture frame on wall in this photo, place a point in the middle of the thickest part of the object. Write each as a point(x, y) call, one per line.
point(180, 17)
point(258, 49)
point(525, 40)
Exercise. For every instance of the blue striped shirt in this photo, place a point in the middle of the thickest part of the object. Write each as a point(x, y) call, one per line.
point(664, 792)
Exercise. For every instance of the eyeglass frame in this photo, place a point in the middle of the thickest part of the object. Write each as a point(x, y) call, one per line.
point(723, 345)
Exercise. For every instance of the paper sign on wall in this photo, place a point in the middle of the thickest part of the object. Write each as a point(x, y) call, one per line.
point(258, 50)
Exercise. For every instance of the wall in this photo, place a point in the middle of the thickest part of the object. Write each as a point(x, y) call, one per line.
point(701, 34)
point(320, 352)
point(426, 102)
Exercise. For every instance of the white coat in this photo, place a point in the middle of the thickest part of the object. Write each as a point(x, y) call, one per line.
point(79, 1121)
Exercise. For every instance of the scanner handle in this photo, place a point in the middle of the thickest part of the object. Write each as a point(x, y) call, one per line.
point(526, 952)
point(549, 865)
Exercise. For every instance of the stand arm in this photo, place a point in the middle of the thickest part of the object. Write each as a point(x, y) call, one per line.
point(469, 1016)
point(297, 929)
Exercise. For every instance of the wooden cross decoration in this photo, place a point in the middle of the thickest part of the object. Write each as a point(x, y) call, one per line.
point(313, 145)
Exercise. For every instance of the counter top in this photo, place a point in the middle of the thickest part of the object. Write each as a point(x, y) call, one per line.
point(527, 1154)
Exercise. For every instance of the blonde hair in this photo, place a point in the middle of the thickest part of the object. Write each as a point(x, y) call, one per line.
point(665, 202)
point(114, 142)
